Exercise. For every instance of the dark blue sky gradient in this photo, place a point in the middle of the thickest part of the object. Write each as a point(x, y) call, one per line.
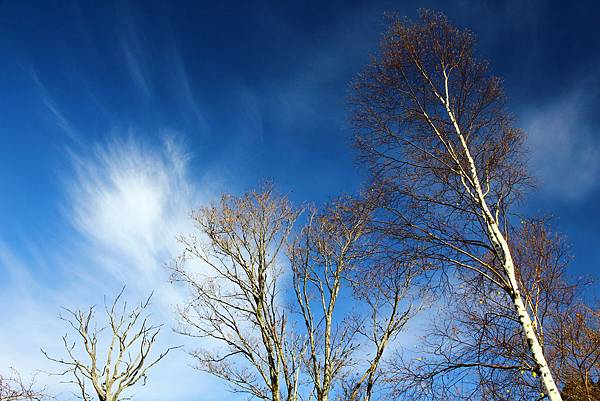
point(250, 91)
point(258, 91)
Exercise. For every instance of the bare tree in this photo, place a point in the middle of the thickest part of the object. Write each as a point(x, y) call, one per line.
point(478, 351)
point(432, 126)
point(124, 362)
point(321, 258)
point(576, 342)
point(386, 291)
point(14, 388)
point(274, 344)
point(335, 258)
point(235, 298)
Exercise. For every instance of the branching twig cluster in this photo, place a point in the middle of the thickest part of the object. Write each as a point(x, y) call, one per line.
point(107, 373)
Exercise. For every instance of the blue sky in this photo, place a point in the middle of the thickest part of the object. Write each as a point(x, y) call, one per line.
point(117, 118)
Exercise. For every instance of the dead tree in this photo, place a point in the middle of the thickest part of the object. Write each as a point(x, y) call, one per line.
point(432, 127)
point(106, 374)
point(233, 270)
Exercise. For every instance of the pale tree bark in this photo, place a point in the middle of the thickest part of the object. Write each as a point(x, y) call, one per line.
point(14, 388)
point(125, 362)
point(477, 339)
point(433, 130)
point(503, 251)
point(235, 296)
point(336, 261)
point(320, 258)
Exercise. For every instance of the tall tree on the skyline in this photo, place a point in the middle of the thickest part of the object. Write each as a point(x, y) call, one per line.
point(337, 259)
point(432, 127)
point(232, 270)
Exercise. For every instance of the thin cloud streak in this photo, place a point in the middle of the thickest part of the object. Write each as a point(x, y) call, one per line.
point(135, 70)
point(50, 104)
point(185, 93)
point(134, 51)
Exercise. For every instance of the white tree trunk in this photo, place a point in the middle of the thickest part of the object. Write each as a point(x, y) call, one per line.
point(501, 246)
point(536, 350)
point(524, 319)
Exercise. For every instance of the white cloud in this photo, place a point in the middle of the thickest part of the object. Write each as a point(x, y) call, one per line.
point(126, 203)
point(565, 156)
point(131, 201)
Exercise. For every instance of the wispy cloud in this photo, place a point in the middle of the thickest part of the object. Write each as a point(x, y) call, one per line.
point(131, 200)
point(565, 154)
point(52, 107)
point(133, 48)
point(136, 70)
point(126, 203)
point(183, 86)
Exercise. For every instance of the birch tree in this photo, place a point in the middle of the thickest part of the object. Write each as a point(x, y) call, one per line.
point(432, 126)
point(387, 292)
point(335, 262)
point(476, 351)
point(233, 271)
point(107, 373)
point(576, 344)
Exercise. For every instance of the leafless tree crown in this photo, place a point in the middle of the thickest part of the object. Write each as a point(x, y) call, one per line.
point(235, 294)
point(106, 374)
point(433, 130)
point(14, 388)
point(275, 344)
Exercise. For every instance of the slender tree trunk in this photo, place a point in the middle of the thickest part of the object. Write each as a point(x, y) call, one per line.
point(524, 319)
point(530, 335)
point(503, 249)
